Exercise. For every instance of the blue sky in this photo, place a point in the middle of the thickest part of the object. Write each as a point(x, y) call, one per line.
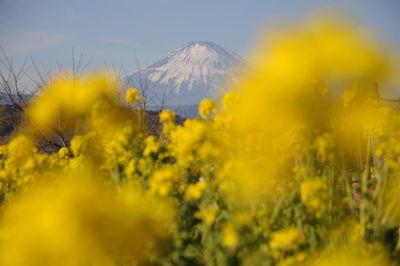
point(117, 32)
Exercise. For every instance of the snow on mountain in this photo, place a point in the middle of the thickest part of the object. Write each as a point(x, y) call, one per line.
point(188, 74)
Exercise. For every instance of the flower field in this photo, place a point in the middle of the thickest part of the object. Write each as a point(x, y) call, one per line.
point(297, 164)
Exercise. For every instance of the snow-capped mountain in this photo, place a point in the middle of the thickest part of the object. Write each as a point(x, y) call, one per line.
point(188, 74)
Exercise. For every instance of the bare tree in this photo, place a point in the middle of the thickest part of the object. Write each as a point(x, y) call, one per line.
point(18, 86)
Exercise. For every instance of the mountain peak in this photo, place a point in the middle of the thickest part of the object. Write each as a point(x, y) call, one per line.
point(205, 43)
point(190, 73)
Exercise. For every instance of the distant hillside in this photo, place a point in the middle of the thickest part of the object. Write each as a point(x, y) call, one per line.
point(5, 100)
point(186, 111)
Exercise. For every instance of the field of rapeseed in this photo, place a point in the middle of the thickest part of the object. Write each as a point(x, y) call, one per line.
point(298, 164)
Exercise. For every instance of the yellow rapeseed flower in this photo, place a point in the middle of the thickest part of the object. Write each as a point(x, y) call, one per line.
point(194, 191)
point(314, 195)
point(162, 181)
point(230, 236)
point(207, 108)
point(285, 240)
point(208, 214)
point(167, 119)
point(69, 98)
point(151, 146)
point(132, 96)
point(63, 152)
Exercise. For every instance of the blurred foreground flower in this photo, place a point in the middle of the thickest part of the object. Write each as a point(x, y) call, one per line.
point(75, 220)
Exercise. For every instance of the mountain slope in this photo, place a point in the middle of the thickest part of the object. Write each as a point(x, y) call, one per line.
point(188, 74)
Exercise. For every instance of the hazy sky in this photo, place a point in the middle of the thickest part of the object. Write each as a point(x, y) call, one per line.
point(118, 31)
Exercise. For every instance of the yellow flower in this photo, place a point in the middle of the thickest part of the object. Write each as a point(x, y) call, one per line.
point(167, 119)
point(208, 215)
point(207, 108)
point(161, 182)
point(20, 148)
point(63, 152)
point(230, 236)
point(186, 140)
point(132, 96)
point(167, 116)
point(68, 98)
point(130, 168)
point(76, 145)
point(194, 191)
point(285, 240)
point(151, 146)
point(82, 222)
point(314, 195)
point(3, 150)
